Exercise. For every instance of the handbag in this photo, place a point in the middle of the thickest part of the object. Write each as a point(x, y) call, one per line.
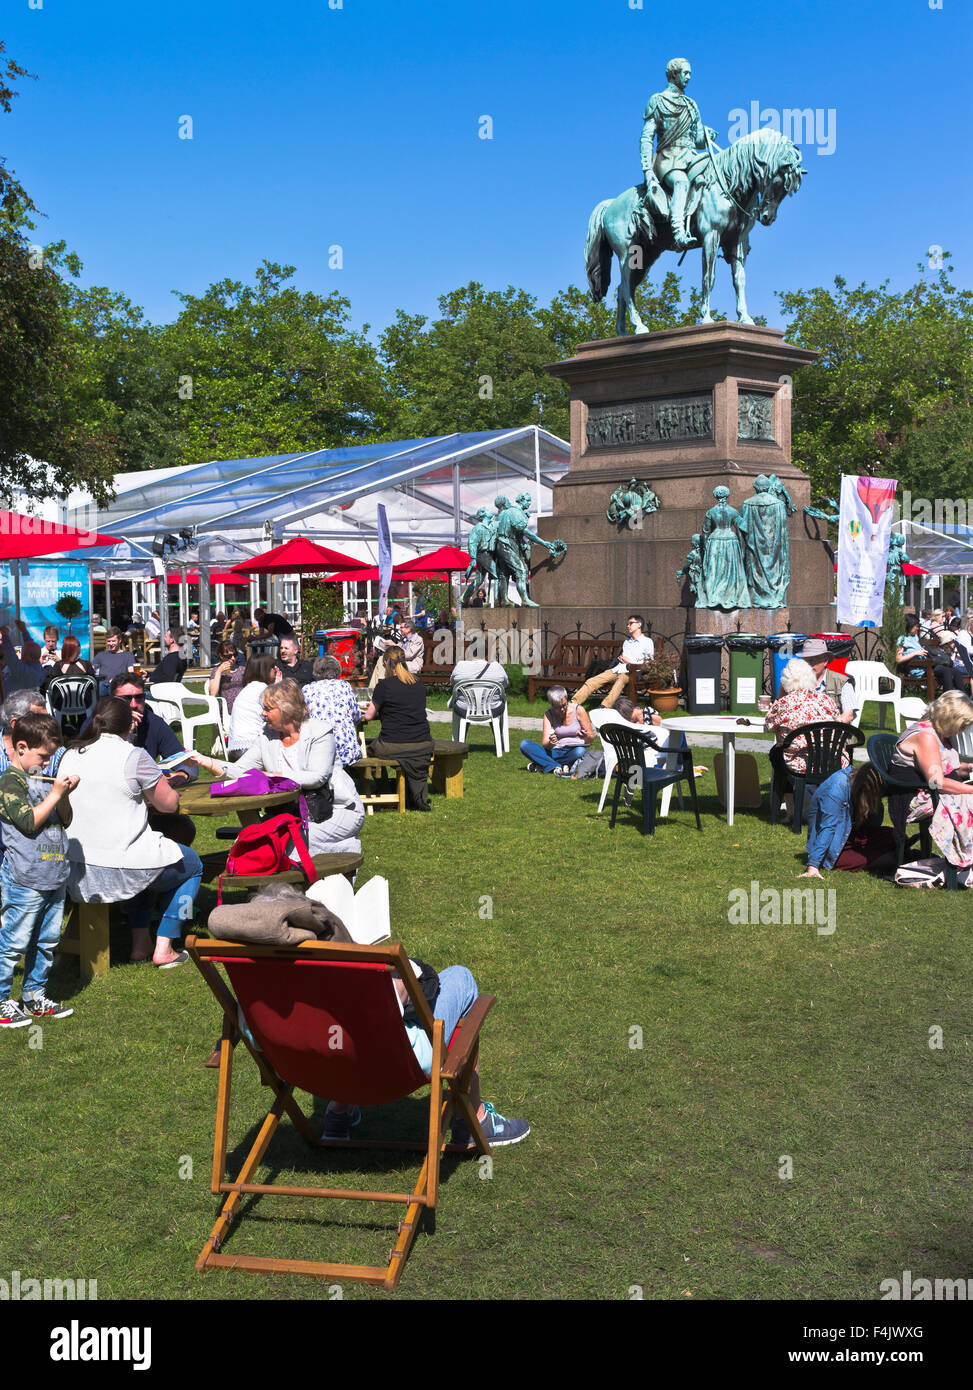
point(320, 802)
point(261, 849)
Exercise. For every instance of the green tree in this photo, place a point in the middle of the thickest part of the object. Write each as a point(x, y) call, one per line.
point(126, 383)
point(478, 366)
point(892, 384)
point(266, 368)
point(573, 317)
point(44, 448)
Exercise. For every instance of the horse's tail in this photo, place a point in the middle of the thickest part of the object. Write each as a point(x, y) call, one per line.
point(598, 253)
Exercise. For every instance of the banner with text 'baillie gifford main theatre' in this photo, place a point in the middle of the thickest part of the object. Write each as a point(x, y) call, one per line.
point(41, 585)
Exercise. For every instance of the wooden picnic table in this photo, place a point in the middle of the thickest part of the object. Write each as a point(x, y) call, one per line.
point(195, 800)
point(446, 772)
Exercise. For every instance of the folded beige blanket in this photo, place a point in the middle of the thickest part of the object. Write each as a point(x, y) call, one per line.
point(279, 916)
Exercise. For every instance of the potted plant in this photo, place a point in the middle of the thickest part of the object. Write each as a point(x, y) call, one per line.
point(660, 677)
point(68, 607)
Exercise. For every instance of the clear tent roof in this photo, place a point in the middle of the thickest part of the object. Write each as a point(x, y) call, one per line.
point(939, 549)
point(334, 493)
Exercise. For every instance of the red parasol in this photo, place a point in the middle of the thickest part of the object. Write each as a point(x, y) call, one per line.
point(433, 566)
point(22, 537)
point(297, 557)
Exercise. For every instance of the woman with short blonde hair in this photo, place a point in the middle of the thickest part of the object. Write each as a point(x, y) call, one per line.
point(296, 746)
point(924, 755)
point(951, 713)
point(288, 699)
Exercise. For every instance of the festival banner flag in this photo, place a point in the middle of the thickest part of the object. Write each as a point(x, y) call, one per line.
point(864, 529)
point(384, 559)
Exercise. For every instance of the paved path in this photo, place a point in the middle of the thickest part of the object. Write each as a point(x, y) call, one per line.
point(519, 721)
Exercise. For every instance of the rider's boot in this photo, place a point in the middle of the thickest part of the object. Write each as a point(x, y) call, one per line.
point(677, 217)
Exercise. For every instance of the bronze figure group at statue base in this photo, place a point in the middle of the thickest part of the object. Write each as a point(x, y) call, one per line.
point(722, 392)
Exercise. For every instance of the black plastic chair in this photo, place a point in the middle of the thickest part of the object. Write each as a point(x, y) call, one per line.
point(630, 748)
point(827, 742)
point(899, 790)
point(70, 699)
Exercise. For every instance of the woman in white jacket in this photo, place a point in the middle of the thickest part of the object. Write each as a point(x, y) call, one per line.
point(296, 746)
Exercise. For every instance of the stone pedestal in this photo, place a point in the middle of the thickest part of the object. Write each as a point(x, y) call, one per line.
point(685, 410)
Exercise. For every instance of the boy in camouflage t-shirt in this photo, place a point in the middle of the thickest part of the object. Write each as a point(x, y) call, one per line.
point(35, 869)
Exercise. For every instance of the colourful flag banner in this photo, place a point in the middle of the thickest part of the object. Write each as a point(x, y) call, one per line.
point(864, 529)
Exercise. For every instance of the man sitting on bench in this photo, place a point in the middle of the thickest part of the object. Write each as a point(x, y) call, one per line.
point(636, 649)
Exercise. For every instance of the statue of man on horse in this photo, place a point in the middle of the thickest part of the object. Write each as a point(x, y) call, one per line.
point(694, 194)
point(682, 151)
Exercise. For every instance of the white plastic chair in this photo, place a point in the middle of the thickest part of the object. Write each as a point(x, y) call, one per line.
point(479, 697)
point(600, 717)
point(963, 743)
point(911, 708)
point(175, 697)
point(866, 675)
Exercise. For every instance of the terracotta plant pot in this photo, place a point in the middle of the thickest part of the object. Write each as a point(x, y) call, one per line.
point(665, 701)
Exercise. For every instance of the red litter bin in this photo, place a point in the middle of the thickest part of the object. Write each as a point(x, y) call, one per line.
point(341, 644)
point(840, 646)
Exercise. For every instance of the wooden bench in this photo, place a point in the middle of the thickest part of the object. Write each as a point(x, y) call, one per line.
point(446, 774)
point(571, 658)
point(325, 865)
point(924, 685)
point(86, 936)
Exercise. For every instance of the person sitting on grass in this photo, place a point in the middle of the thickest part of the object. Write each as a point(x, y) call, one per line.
point(844, 827)
point(34, 876)
point(566, 733)
point(452, 1000)
point(593, 762)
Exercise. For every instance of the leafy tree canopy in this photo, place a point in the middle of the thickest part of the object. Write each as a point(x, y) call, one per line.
point(892, 387)
point(267, 368)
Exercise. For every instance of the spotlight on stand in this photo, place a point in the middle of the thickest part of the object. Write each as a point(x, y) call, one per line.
point(188, 536)
point(158, 547)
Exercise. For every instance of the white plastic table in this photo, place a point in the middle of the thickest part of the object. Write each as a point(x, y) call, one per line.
point(727, 725)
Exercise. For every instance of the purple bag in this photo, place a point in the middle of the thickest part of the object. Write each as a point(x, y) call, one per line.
point(253, 782)
point(256, 782)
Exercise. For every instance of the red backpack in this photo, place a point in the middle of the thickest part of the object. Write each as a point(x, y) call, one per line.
point(262, 849)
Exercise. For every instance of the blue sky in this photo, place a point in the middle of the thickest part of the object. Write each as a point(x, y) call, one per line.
point(358, 127)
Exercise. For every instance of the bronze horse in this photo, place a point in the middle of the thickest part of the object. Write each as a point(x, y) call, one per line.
point(743, 184)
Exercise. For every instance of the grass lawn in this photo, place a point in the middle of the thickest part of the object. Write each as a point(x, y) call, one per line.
point(670, 1063)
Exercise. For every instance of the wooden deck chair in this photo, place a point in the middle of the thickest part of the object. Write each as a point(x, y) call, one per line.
point(324, 1017)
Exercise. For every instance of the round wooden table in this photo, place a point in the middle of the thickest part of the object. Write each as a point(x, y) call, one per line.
point(195, 800)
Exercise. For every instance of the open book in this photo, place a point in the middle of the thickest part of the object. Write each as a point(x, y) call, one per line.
point(365, 913)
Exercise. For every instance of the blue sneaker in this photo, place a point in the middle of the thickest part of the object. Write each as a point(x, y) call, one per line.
point(338, 1125)
point(498, 1131)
